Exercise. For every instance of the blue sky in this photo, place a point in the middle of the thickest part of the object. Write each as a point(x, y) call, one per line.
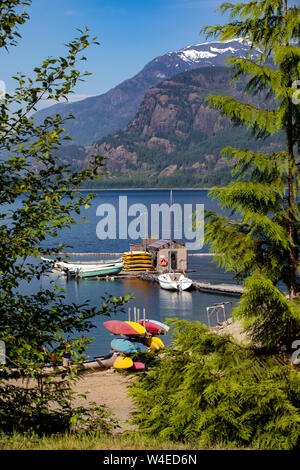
point(131, 33)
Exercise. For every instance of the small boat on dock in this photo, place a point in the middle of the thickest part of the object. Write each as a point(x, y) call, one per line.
point(104, 270)
point(174, 281)
point(84, 269)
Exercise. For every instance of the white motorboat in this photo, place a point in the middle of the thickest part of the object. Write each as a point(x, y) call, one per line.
point(86, 268)
point(174, 281)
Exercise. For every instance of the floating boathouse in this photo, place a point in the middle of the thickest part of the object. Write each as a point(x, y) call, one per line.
point(166, 254)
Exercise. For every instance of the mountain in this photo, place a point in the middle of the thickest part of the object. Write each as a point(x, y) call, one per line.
point(99, 116)
point(174, 139)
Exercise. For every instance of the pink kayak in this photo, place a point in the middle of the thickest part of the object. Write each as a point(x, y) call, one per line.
point(151, 327)
point(138, 365)
point(118, 327)
point(154, 328)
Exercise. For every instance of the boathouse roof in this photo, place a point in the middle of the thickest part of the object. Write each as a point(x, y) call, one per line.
point(158, 244)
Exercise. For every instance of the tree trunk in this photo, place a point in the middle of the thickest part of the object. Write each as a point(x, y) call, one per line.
point(291, 330)
point(292, 257)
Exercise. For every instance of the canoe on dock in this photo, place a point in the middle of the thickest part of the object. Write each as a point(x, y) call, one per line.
point(84, 269)
point(100, 271)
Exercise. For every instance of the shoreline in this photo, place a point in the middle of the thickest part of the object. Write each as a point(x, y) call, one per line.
point(116, 254)
point(143, 189)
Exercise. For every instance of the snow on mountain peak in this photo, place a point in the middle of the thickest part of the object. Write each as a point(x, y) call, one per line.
point(209, 50)
point(192, 55)
point(222, 50)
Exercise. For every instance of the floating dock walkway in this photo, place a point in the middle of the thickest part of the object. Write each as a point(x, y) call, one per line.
point(229, 289)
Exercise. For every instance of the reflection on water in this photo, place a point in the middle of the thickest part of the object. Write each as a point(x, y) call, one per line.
point(175, 301)
point(160, 304)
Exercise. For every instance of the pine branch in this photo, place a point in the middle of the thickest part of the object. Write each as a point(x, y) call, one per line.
point(261, 121)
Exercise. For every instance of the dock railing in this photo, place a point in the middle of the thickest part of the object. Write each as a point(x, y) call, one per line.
point(217, 309)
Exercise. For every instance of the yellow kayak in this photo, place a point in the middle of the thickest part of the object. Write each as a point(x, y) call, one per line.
point(158, 341)
point(142, 256)
point(137, 264)
point(137, 260)
point(136, 253)
point(154, 343)
point(137, 327)
point(123, 362)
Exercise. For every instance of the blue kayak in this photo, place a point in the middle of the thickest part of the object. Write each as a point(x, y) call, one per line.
point(141, 347)
point(123, 345)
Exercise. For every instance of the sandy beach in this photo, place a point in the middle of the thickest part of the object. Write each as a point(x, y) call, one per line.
point(110, 388)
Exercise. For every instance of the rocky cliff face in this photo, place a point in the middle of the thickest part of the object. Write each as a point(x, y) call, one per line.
point(174, 138)
point(105, 114)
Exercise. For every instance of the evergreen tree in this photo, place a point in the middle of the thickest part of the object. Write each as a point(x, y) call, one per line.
point(261, 245)
point(213, 392)
point(208, 387)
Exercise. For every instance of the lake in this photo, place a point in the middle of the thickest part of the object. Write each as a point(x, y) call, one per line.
point(159, 304)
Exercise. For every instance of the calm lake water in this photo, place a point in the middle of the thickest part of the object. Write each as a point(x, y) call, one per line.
point(159, 304)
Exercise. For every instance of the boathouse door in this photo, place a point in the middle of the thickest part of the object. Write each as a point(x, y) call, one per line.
point(173, 260)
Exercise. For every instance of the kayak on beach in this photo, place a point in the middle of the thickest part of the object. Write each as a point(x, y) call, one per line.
point(118, 327)
point(155, 327)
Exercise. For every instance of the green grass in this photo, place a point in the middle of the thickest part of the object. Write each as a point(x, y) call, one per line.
point(92, 441)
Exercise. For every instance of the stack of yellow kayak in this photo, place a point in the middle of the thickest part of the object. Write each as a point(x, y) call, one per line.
point(137, 261)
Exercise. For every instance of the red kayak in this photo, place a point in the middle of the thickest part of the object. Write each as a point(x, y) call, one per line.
point(151, 327)
point(118, 327)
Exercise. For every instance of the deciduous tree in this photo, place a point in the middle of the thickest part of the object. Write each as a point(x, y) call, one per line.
point(38, 197)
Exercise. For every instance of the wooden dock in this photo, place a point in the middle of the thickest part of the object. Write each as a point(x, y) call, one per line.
point(151, 276)
point(70, 253)
point(227, 289)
